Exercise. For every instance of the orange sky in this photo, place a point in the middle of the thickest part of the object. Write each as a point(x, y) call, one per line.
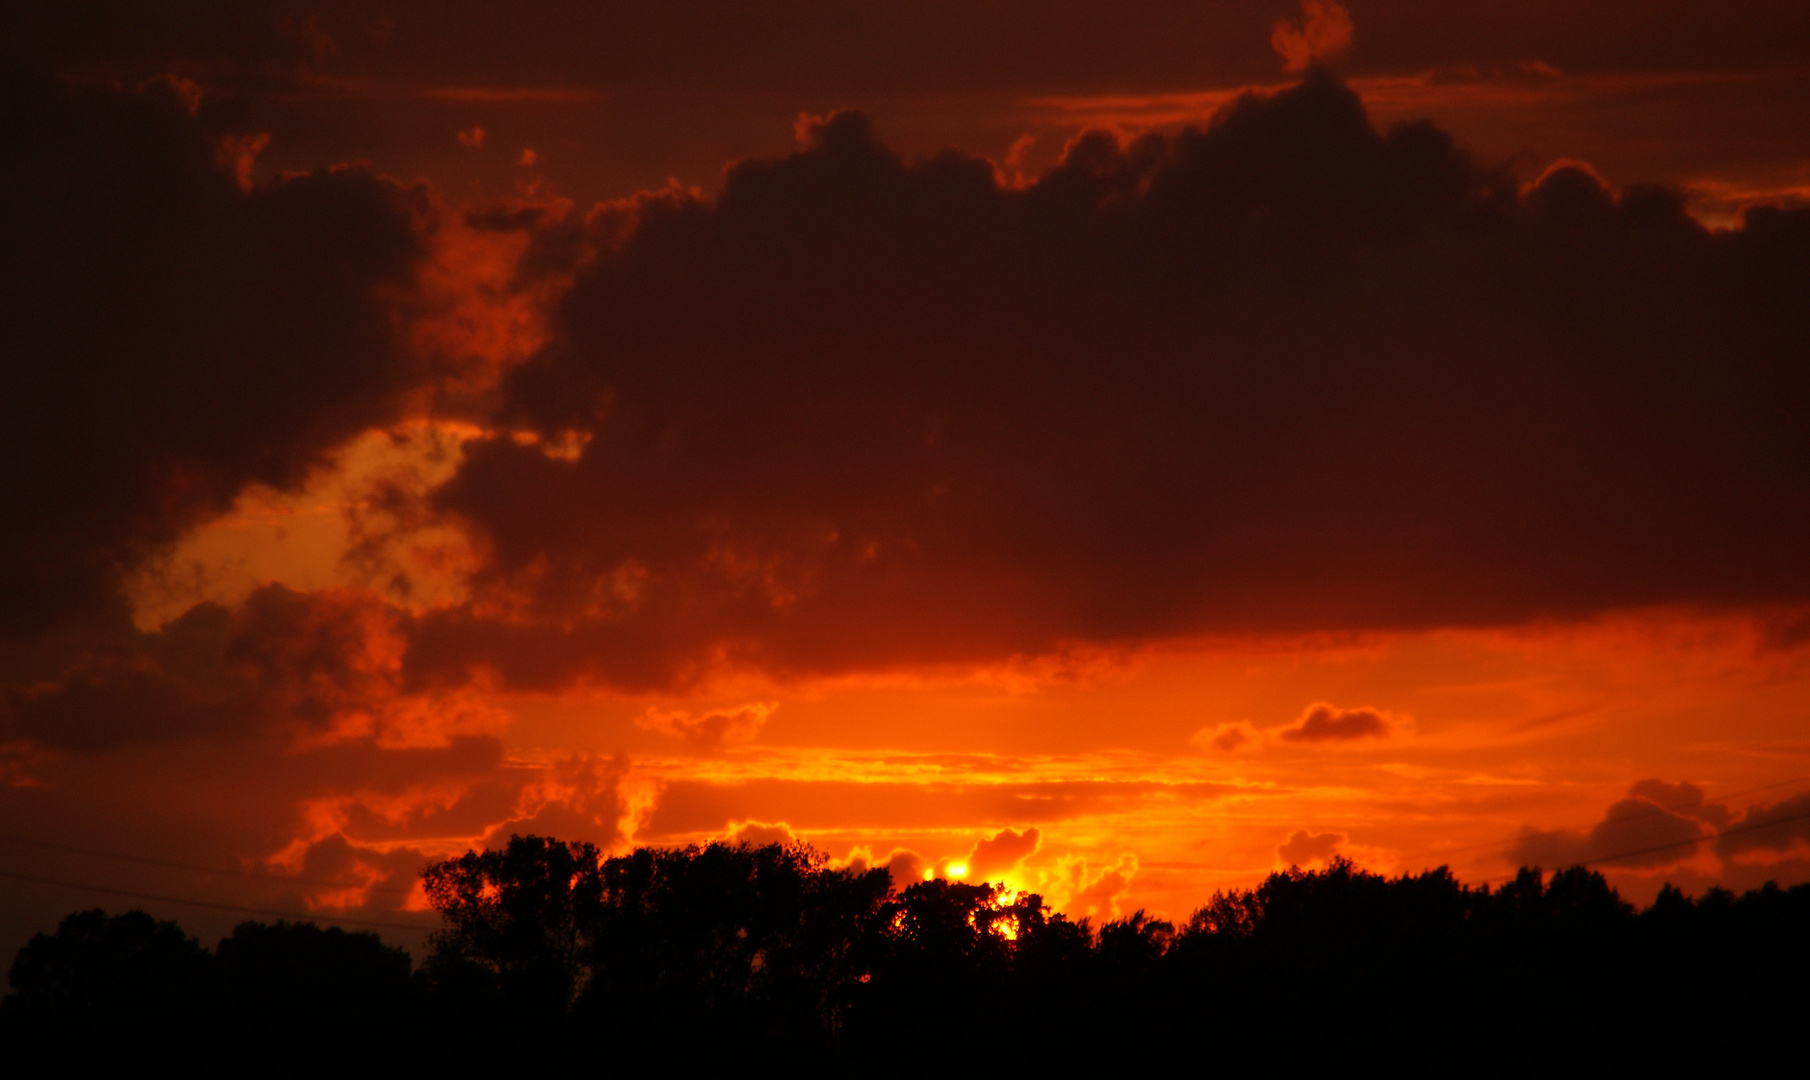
point(1114, 450)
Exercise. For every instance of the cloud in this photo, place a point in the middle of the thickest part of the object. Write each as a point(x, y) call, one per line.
point(1098, 895)
point(760, 833)
point(860, 50)
point(1001, 853)
point(1281, 373)
point(1682, 798)
point(1225, 737)
point(1662, 824)
point(710, 729)
point(1780, 827)
point(1320, 35)
point(1636, 832)
point(1303, 848)
point(905, 866)
point(688, 808)
point(1323, 722)
point(335, 874)
point(175, 333)
point(575, 797)
point(311, 668)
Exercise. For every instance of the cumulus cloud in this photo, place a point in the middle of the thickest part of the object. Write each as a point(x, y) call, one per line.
point(1781, 827)
point(1274, 374)
point(1098, 895)
point(1636, 832)
point(1663, 824)
point(904, 865)
point(1682, 798)
point(711, 728)
point(1001, 853)
point(1324, 722)
point(1303, 848)
point(1321, 34)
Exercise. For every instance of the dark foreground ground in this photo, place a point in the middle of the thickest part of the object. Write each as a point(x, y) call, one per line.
point(733, 959)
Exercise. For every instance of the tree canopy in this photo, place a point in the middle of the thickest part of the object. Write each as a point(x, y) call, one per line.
point(554, 956)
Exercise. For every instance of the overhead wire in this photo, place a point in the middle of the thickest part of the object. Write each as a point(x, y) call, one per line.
point(1734, 830)
point(1636, 816)
point(215, 904)
point(143, 860)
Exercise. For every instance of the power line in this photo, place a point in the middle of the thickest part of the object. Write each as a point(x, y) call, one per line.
point(298, 916)
point(1638, 815)
point(1695, 840)
point(1691, 842)
point(147, 861)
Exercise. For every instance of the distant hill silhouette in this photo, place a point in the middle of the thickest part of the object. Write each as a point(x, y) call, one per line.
point(733, 956)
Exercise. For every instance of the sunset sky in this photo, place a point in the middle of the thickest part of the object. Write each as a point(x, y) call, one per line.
point(1114, 449)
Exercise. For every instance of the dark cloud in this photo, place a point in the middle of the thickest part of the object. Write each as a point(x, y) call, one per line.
point(1682, 798)
point(171, 337)
point(1777, 828)
point(1661, 824)
point(1303, 847)
point(883, 47)
point(1636, 832)
point(1283, 373)
point(317, 668)
point(333, 830)
point(621, 95)
point(354, 876)
point(1329, 723)
point(329, 831)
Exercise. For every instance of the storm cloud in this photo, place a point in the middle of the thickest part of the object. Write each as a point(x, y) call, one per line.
point(172, 335)
point(1283, 373)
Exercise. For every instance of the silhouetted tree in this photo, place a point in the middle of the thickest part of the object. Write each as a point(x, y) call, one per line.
point(103, 991)
point(944, 958)
point(296, 999)
point(765, 942)
point(729, 956)
point(523, 914)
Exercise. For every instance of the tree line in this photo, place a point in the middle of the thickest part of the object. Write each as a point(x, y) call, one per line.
point(729, 956)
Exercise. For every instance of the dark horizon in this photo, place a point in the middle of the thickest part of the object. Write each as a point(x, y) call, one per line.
point(768, 957)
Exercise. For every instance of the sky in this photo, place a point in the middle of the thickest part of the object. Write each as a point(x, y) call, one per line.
point(1114, 450)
